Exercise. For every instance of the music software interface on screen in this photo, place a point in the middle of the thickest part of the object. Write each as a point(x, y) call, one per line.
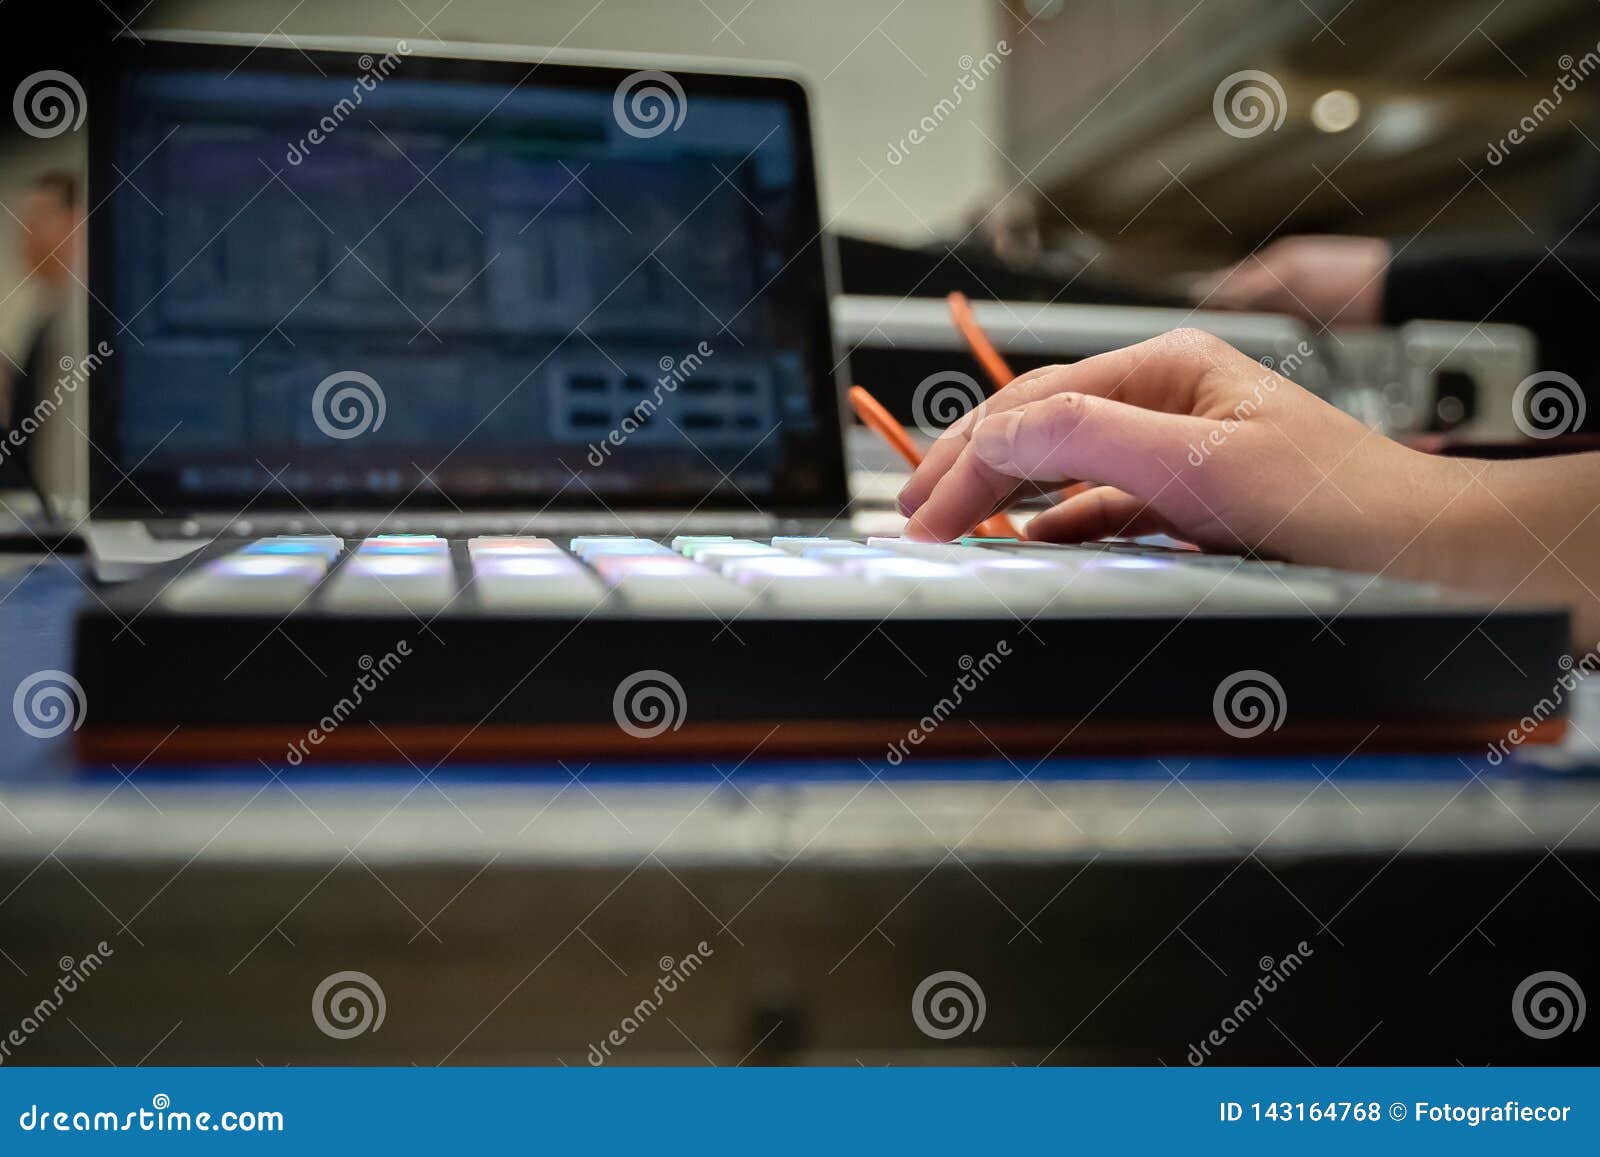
point(509, 292)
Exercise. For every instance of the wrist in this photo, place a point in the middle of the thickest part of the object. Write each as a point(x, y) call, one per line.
point(1433, 526)
point(1479, 530)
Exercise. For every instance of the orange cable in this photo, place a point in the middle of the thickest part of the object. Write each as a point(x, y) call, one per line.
point(881, 422)
point(978, 341)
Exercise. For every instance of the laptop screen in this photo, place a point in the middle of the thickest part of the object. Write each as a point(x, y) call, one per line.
point(384, 280)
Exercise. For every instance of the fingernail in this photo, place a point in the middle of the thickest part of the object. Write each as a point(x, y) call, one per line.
point(994, 439)
point(964, 423)
point(905, 505)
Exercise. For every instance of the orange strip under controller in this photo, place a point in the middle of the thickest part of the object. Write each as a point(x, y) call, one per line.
point(777, 738)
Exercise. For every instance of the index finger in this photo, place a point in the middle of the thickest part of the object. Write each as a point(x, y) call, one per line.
point(1153, 374)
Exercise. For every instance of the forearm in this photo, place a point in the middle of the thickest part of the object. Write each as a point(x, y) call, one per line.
point(1522, 532)
point(1525, 531)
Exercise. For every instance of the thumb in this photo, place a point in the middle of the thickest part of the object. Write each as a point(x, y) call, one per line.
point(1085, 436)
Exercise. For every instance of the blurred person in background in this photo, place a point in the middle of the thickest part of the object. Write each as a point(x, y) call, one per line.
point(1547, 285)
point(1366, 281)
point(35, 325)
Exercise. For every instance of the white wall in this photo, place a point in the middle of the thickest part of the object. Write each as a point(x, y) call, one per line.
point(877, 67)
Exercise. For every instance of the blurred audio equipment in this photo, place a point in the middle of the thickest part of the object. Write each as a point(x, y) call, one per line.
point(1421, 377)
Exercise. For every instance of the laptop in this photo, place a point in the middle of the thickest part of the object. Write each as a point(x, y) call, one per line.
point(360, 286)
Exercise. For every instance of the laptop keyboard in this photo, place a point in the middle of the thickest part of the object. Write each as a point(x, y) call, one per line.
point(561, 523)
point(723, 576)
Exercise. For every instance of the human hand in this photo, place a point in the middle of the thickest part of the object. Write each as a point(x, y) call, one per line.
point(1188, 436)
point(1327, 280)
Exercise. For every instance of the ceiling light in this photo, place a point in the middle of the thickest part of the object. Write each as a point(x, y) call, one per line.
point(1335, 110)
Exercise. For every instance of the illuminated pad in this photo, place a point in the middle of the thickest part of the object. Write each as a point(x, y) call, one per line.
point(531, 575)
point(405, 572)
point(723, 577)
